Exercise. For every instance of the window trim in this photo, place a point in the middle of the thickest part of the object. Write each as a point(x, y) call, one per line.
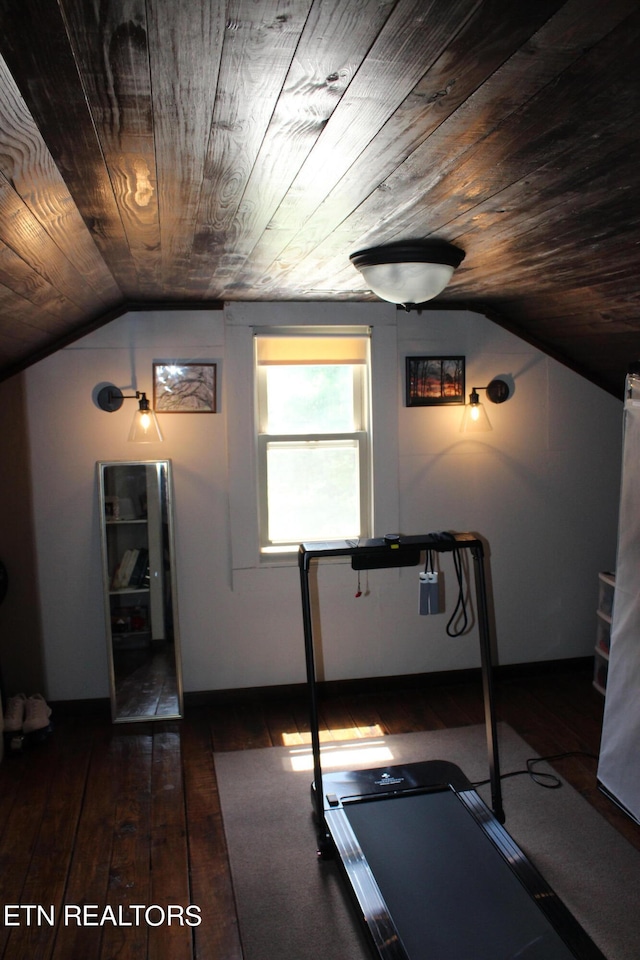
point(242, 320)
point(362, 435)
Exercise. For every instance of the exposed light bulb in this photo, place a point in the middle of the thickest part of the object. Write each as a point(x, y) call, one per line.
point(475, 416)
point(144, 428)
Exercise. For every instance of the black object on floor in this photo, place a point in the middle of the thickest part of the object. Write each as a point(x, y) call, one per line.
point(435, 875)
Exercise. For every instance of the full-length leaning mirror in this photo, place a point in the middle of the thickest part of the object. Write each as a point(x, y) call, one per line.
point(139, 576)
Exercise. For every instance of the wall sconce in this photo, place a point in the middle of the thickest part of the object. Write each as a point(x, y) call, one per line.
point(144, 427)
point(409, 272)
point(475, 416)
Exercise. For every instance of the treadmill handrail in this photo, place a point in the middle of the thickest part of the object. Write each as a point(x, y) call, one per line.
point(381, 547)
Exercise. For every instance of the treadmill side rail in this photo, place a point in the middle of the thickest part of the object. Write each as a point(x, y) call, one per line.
point(368, 897)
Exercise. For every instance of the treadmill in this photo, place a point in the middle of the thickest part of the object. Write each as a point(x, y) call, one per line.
point(432, 872)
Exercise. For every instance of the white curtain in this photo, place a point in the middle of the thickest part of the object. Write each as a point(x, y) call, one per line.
point(619, 765)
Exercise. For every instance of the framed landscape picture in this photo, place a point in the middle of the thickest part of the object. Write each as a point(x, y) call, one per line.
point(184, 387)
point(434, 380)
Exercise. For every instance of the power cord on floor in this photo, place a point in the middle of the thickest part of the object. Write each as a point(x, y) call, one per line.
point(547, 780)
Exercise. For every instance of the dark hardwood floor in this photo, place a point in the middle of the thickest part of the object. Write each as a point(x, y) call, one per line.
point(101, 818)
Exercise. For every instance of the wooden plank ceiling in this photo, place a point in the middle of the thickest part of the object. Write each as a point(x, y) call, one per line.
point(163, 152)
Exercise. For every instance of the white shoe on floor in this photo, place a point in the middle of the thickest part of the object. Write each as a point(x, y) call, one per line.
point(14, 714)
point(37, 715)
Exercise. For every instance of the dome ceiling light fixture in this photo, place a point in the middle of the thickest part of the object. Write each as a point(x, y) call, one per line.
point(409, 272)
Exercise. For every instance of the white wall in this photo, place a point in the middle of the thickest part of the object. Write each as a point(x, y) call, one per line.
point(542, 488)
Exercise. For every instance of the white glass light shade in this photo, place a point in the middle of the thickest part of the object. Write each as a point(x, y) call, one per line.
point(144, 427)
point(407, 282)
point(410, 272)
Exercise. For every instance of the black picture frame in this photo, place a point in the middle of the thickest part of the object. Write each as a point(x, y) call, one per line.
point(434, 381)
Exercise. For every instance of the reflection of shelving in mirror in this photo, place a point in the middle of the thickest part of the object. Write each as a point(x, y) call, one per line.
point(138, 569)
point(132, 571)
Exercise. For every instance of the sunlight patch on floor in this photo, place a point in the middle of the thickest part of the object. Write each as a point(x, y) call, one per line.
point(344, 733)
point(338, 755)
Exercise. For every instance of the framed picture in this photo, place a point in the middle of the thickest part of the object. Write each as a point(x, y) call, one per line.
point(184, 387)
point(433, 381)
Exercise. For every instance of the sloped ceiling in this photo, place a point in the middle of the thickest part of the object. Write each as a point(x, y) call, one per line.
point(155, 152)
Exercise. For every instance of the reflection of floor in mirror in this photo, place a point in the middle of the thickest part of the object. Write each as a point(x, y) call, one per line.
point(146, 682)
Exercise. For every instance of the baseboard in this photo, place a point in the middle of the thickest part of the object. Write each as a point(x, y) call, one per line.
point(337, 688)
point(82, 708)
point(373, 685)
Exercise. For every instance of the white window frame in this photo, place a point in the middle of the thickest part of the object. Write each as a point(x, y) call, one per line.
point(242, 321)
point(361, 437)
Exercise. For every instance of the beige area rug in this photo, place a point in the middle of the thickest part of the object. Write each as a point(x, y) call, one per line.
point(293, 907)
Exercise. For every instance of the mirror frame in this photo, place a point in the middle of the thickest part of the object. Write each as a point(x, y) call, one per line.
point(102, 466)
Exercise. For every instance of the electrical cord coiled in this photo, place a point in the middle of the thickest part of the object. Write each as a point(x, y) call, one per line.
point(550, 781)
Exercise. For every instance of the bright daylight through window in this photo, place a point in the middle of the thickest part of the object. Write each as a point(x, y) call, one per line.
point(313, 438)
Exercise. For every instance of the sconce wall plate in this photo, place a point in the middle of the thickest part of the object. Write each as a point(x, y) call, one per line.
point(110, 399)
point(497, 391)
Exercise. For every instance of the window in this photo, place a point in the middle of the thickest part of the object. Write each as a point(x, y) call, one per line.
point(314, 471)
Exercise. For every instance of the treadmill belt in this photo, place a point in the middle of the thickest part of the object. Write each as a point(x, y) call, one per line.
point(451, 893)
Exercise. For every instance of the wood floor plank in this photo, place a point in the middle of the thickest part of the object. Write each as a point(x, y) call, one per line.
point(29, 776)
point(169, 868)
point(578, 706)
point(45, 882)
point(366, 711)
point(446, 704)
point(129, 872)
point(239, 726)
point(337, 717)
point(535, 724)
point(217, 936)
point(281, 720)
point(300, 709)
point(89, 870)
point(419, 712)
point(10, 789)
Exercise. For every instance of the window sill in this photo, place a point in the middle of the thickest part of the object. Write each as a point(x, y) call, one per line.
point(279, 558)
point(290, 559)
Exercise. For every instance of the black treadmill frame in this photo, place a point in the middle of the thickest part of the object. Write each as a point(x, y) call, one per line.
point(384, 553)
point(331, 793)
point(385, 784)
